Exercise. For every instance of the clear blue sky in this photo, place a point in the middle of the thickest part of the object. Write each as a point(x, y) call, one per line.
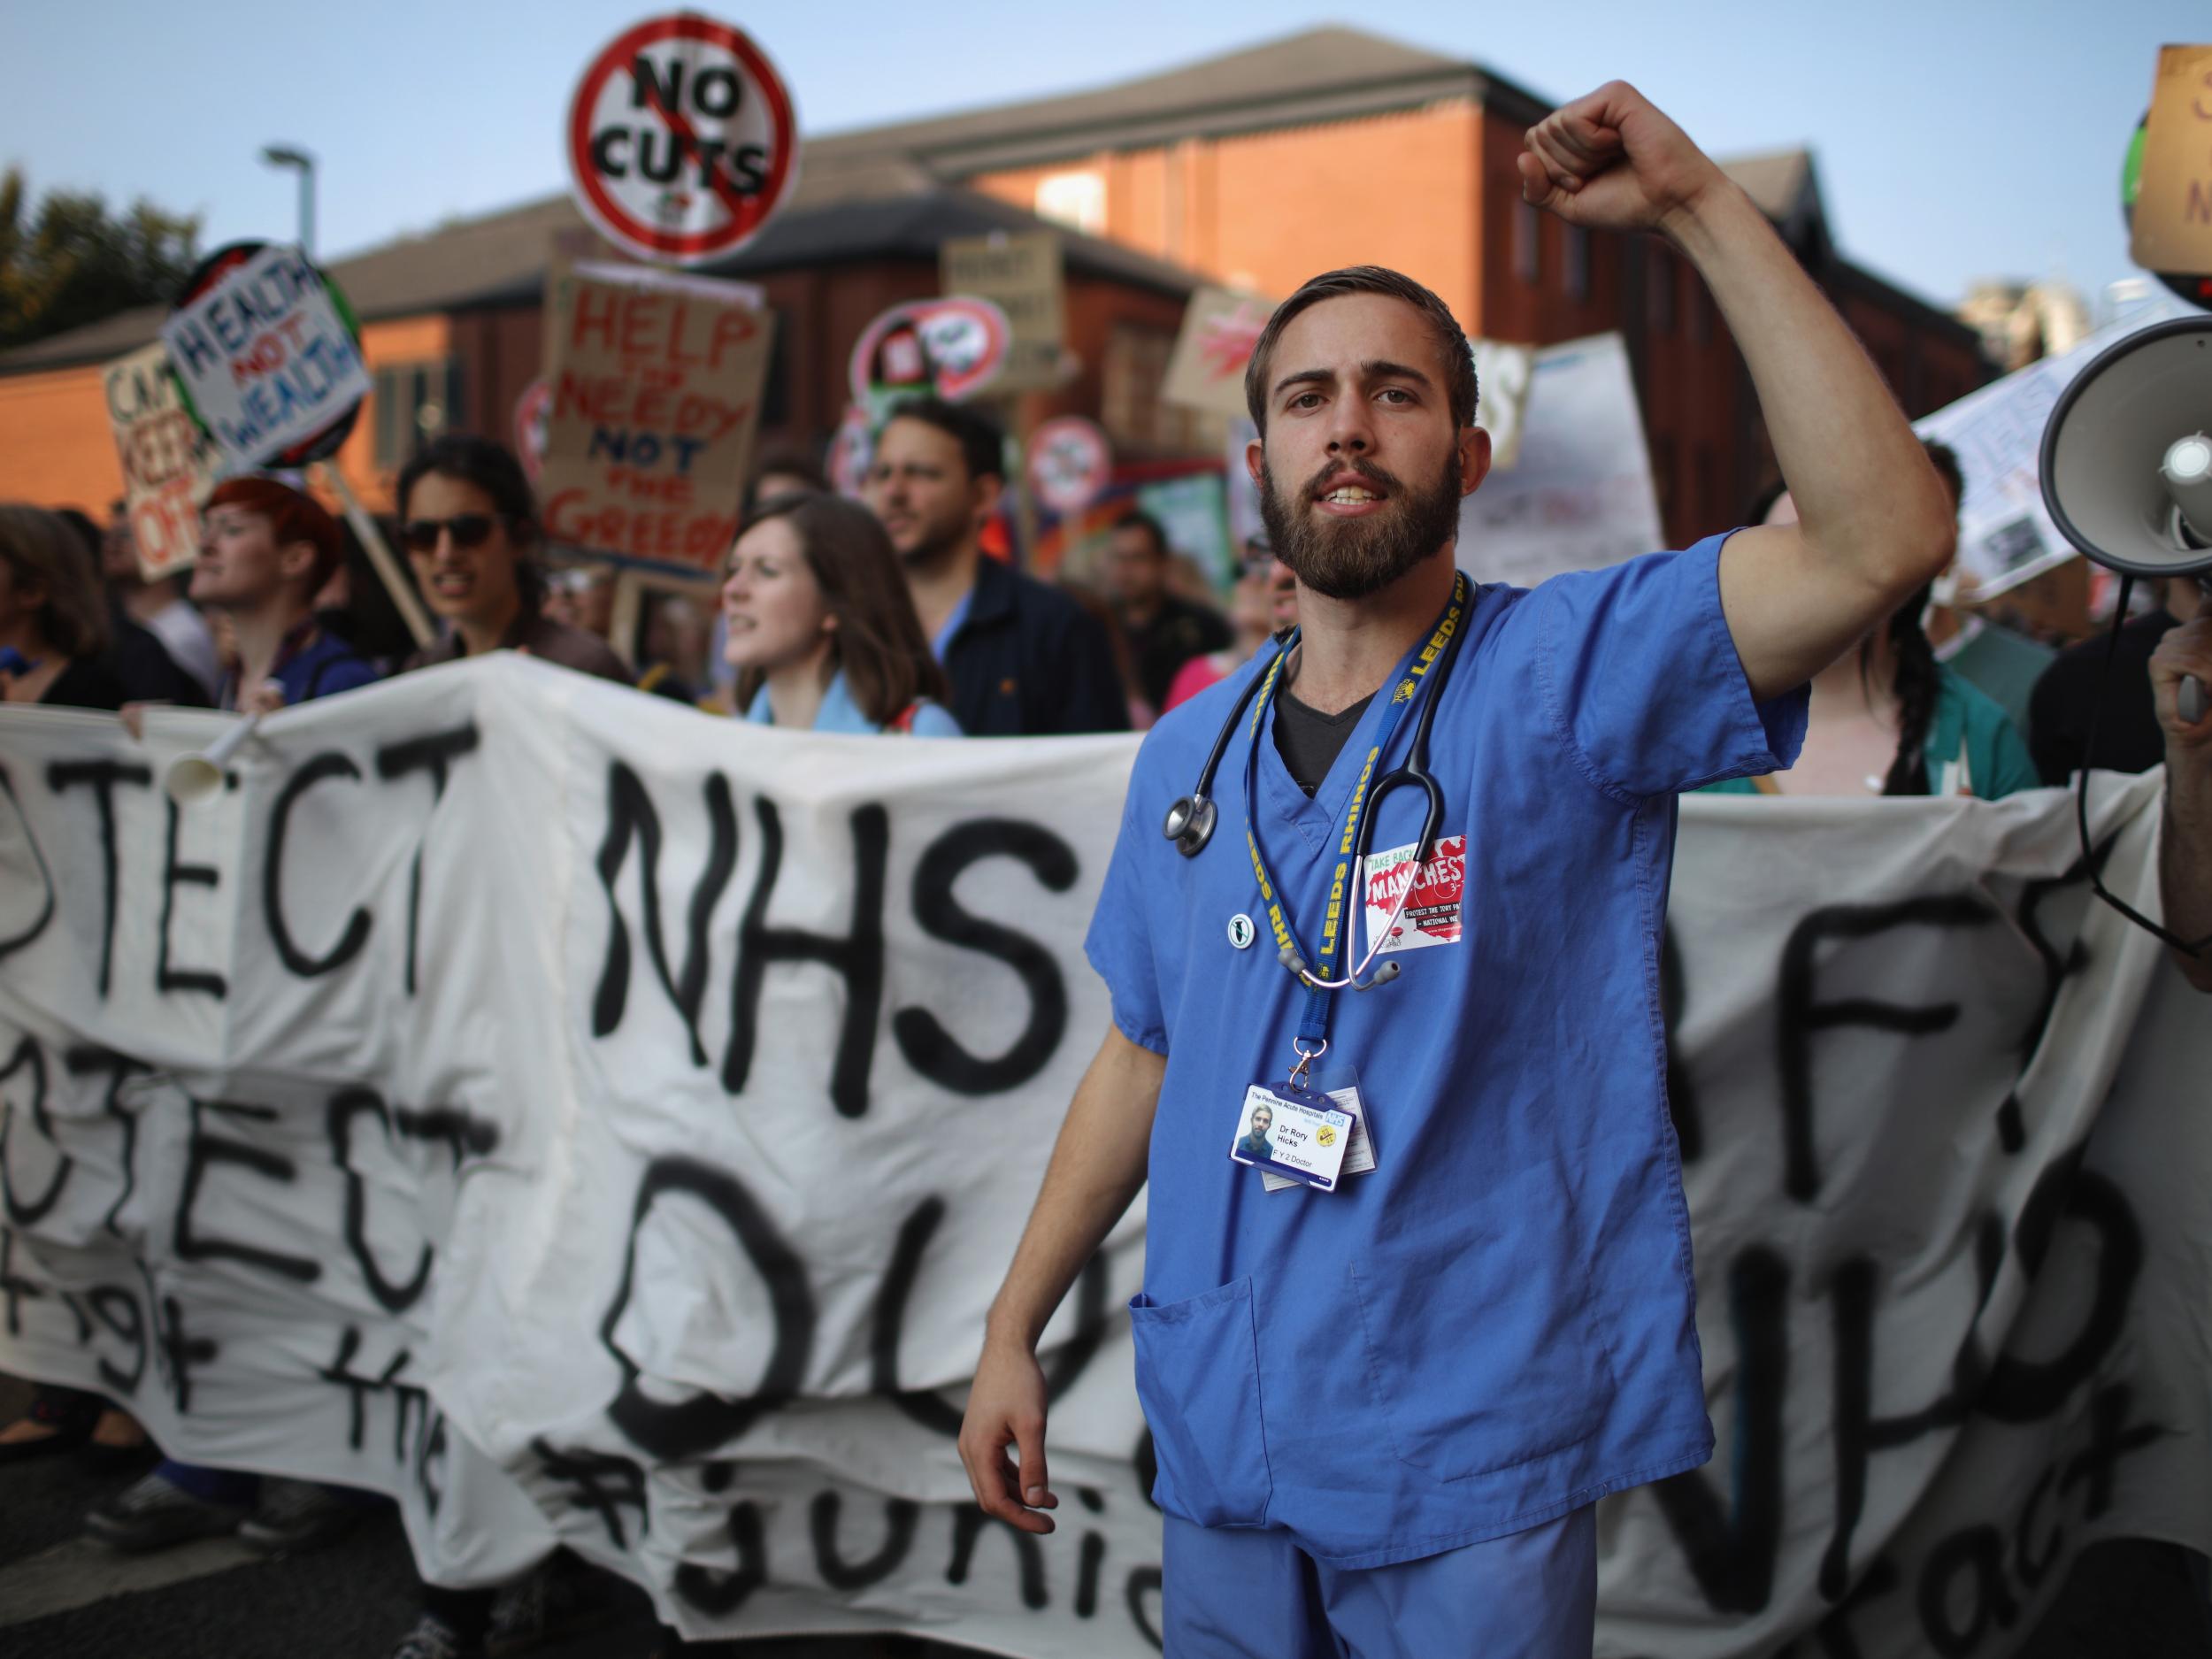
point(1956, 139)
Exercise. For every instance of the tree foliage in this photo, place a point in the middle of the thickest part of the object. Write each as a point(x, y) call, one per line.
point(71, 262)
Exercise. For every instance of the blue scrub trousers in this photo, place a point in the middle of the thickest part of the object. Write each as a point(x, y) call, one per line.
point(1242, 1592)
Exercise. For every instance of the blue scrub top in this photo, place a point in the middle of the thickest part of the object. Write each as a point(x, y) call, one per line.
point(841, 713)
point(1496, 1326)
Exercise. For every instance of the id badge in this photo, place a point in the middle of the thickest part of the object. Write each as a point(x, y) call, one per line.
point(1294, 1134)
point(1341, 1084)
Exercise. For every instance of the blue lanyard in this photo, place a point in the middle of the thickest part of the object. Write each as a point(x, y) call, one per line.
point(1313, 1026)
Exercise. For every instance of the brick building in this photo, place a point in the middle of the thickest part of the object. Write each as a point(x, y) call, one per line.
point(1202, 170)
point(1217, 166)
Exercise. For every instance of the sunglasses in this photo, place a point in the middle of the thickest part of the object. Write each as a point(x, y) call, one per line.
point(468, 529)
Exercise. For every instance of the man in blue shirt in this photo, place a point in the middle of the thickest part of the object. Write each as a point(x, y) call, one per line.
point(1382, 1413)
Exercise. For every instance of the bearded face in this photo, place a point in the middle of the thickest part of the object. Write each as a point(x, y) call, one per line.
point(1394, 525)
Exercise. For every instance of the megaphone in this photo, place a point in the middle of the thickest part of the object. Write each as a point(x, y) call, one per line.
point(2127, 466)
point(192, 778)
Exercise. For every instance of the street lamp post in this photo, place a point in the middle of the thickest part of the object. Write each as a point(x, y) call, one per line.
point(289, 156)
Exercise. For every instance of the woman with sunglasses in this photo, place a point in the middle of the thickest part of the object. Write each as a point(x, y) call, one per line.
point(471, 527)
point(820, 628)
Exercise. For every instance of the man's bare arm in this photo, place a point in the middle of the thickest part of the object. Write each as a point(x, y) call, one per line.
point(2184, 856)
point(1098, 1169)
point(1874, 522)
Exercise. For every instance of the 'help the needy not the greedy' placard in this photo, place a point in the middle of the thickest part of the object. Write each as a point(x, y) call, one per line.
point(681, 140)
point(269, 361)
point(168, 463)
point(656, 381)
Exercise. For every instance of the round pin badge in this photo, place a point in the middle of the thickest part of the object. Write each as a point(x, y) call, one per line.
point(1242, 933)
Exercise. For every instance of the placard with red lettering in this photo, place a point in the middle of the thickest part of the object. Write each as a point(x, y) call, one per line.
point(169, 465)
point(657, 381)
point(267, 355)
point(681, 140)
point(1431, 915)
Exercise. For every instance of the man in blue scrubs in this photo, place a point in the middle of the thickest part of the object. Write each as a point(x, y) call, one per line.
point(1382, 1413)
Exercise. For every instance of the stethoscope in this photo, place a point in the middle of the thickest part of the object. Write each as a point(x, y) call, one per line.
point(1191, 820)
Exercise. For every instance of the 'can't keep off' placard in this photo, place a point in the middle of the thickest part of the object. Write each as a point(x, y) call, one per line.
point(169, 463)
point(657, 381)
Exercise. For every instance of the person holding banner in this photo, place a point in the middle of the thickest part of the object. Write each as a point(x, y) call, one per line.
point(265, 551)
point(1025, 660)
point(53, 624)
point(2185, 849)
point(820, 629)
point(470, 524)
point(1385, 1393)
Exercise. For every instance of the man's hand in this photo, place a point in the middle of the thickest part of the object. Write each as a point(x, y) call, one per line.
point(1610, 161)
point(1006, 1407)
point(266, 698)
point(2184, 652)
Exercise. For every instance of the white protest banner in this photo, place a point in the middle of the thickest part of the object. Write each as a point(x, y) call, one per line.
point(268, 359)
point(2005, 537)
point(656, 379)
point(681, 140)
point(589, 1121)
point(1580, 494)
point(169, 463)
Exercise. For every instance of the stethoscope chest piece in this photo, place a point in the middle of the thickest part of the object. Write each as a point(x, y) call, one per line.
point(1190, 824)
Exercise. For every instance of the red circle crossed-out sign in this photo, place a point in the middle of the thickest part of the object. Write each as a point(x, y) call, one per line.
point(681, 141)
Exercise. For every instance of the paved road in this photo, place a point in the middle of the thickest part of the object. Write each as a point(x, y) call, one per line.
point(65, 1597)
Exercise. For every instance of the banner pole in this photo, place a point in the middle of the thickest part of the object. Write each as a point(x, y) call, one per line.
point(395, 582)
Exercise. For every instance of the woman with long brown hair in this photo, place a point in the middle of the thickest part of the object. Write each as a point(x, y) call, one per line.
point(820, 626)
point(53, 617)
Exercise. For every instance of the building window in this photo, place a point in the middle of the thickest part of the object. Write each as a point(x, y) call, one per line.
point(415, 402)
point(1660, 295)
point(1077, 200)
point(1576, 273)
point(1528, 259)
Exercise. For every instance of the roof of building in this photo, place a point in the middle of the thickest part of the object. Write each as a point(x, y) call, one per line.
point(872, 207)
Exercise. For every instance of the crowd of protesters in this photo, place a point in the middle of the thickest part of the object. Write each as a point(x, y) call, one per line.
point(888, 615)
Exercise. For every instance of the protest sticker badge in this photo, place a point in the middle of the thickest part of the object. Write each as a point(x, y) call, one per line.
point(681, 140)
point(1431, 913)
point(268, 356)
point(656, 378)
point(169, 465)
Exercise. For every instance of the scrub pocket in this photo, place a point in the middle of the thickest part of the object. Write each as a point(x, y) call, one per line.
point(1198, 1379)
point(1484, 1359)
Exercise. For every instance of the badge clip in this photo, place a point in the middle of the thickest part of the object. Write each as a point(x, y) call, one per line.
point(1306, 1057)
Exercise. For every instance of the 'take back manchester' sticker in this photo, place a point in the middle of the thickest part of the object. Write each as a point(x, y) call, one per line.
point(681, 140)
point(1431, 913)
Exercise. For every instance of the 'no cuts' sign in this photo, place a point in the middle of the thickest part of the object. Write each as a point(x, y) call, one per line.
point(681, 140)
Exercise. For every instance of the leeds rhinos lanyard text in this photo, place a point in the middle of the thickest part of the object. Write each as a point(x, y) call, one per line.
point(1313, 1026)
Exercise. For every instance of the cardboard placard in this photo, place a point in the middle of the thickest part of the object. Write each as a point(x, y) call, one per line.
point(2172, 223)
point(267, 364)
point(169, 465)
point(1220, 328)
point(657, 383)
point(1021, 275)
